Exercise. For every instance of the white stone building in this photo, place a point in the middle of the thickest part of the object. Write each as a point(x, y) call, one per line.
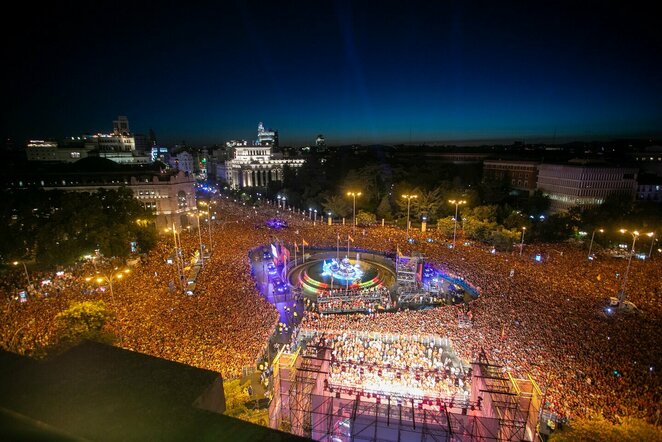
point(585, 185)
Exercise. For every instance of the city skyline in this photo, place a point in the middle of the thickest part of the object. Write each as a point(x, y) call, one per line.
point(357, 74)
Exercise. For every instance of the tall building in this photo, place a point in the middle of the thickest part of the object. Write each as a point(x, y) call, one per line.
point(254, 165)
point(584, 184)
point(182, 160)
point(266, 137)
point(121, 126)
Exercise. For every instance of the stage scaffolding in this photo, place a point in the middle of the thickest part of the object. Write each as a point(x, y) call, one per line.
point(406, 271)
point(500, 407)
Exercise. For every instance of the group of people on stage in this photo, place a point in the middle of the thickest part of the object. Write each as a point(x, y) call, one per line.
point(398, 366)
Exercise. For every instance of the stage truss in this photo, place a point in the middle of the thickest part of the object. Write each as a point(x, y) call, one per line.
point(406, 272)
point(500, 407)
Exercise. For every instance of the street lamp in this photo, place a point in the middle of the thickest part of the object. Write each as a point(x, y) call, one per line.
point(652, 237)
point(315, 220)
point(180, 264)
point(635, 235)
point(521, 247)
point(593, 236)
point(27, 276)
point(354, 195)
point(109, 278)
point(408, 198)
point(202, 259)
point(457, 204)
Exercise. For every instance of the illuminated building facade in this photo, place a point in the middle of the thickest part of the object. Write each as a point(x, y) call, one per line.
point(585, 185)
point(170, 195)
point(266, 137)
point(255, 165)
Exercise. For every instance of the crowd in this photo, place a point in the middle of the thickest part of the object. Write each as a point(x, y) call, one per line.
point(358, 300)
point(547, 319)
point(543, 318)
point(400, 366)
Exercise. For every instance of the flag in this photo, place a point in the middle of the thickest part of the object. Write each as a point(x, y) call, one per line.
point(339, 237)
point(599, 277)
point(349, 238)
point(296, 247)
point(399, 252)
point(303, 241)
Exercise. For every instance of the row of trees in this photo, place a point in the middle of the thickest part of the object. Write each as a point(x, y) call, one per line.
point(494, 212)
point(57, 228)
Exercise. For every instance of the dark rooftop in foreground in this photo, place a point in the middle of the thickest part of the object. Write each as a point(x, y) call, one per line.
point(99, 392)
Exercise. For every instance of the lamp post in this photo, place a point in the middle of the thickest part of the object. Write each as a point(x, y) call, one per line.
point(521, 246)
point(278, 198)
point(354, 195)
point(27, 275)
point(202, 259)
point(209, 226)
point(408, 198)
point(593, 236)
point(109, 278)
point(180, 265)
point(635, 235)
point(284, 198)
point(652, 237)
point(315, 219)
point(457, 205)
point(208, 213)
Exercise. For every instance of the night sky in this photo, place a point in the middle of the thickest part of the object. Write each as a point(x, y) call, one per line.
point(376, 72)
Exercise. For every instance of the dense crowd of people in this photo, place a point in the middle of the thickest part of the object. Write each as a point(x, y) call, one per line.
point(366, 300)
point(399, 365)
point(543, 318)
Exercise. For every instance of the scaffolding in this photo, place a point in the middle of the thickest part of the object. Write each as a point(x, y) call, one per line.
point(406, 271)
point(500, 407)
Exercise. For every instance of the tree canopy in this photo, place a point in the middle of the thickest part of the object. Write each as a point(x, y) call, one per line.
point(57, 228)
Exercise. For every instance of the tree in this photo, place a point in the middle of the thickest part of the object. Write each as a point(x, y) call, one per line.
point(83, 320)
point(478, 230)
point(538, 203)
point(555, 228)
point(385, 210)
point(236, 400)
point(485, 213)
point(364, 218)
point(428, 203)
point(605, 431)
point(337, 205)
point(445, 226)
point(516, 221)
point(502, 239)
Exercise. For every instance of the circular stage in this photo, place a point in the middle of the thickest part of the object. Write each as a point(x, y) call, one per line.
point(328, 272)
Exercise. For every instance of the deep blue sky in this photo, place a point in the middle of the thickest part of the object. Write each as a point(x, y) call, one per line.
point(353, 71)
